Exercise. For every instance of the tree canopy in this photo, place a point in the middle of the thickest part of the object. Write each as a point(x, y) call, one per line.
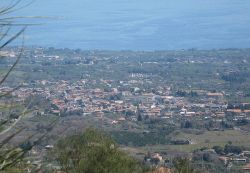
point(93, 152)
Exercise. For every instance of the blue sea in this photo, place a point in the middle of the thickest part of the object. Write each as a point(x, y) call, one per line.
point(139, 24)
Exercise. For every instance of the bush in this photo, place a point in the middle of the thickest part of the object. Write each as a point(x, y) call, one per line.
point(93, 152)
point(183, 166)
point(233, 149)
point(218, 149)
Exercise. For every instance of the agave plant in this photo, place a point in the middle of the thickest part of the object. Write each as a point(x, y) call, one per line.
point(10, 156)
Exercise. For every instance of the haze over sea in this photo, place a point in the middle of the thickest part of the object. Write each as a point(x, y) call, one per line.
point(141, 24)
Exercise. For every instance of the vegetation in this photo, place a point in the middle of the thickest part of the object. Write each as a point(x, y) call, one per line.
point(93, 152)
point(10, 30)
point(189, 75)
point(183, 165)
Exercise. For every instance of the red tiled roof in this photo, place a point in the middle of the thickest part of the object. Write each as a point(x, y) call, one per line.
point(247, 167)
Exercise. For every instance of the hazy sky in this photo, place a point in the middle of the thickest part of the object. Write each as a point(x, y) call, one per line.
point(141, 24)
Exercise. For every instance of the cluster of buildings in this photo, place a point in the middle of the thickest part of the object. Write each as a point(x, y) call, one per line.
point(66, 98)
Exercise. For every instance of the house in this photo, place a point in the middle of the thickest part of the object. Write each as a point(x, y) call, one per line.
point(157, 156)
point(234, 110)
point(224, 159)
point(49, 147)
point(246, 168)
point(181, 142)
point(239, 160)
point(246, 153)
point(214, 94)
point(114, 122)
point(161, 170)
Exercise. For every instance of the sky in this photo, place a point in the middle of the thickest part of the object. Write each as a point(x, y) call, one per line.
point(140, 24)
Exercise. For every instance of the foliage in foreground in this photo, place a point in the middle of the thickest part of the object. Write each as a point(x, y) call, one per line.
point(93, 152)
point(183, 166)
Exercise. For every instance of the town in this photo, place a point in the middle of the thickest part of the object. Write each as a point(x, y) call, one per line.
point(161, 100)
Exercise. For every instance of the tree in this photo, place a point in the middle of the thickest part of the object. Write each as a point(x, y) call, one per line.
point(229, 148)
point(219, 149)
point(187, 124)
point(93, 152)
point(183, 165)
point(138, 112)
